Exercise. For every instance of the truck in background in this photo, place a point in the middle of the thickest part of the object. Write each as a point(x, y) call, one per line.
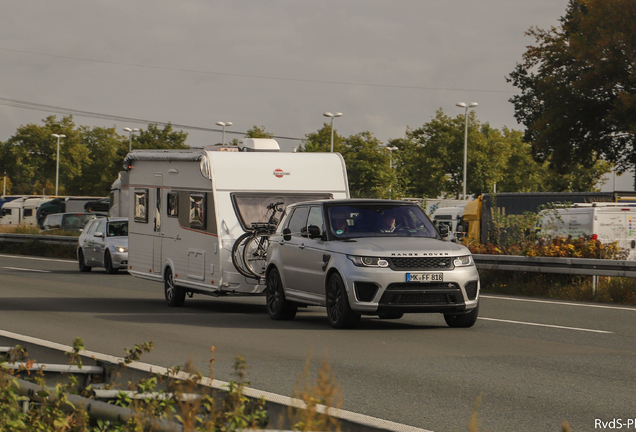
point(22, 211)
point(477, 215)
point(188, 207)
point(603, 221)
point(452, 218)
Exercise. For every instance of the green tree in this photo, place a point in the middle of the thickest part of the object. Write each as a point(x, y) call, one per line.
point(258, 132)
point(368, 170)
point(160, 139)
point(30, 156)
point(104, 161)
point(435, 163)
point(320, 141)
point(578, 87)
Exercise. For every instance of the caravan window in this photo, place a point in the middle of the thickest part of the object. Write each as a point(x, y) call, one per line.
point(27, 213)
point(252, 207)
point(6, 212)
point(197, 210)
point(173, 205)
point(141, 205)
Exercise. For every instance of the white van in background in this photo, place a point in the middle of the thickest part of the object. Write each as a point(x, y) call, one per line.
point(21, 211)
point(605, 221)
point(450, 217)
point(188, 207)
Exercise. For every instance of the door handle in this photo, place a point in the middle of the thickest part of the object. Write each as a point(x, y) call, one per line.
point(301, 246)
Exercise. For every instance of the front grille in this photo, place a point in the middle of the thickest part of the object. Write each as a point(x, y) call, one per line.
point(471, 290)
point(421, 263)
point(389, 298)
point(421, 286)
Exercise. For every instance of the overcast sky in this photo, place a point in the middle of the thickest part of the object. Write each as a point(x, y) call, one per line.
point(385, 64)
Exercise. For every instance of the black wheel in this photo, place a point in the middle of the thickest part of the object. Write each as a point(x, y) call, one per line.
point(339, 312)
point(255, 254)
point(278, 307)
point(462, 320)
point(237, 255)
point(82, 262)
point(108, 264)
point(175, 296)
point(391, 315)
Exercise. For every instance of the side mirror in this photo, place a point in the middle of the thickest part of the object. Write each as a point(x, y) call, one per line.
point(443, 230)
point(98, 234)
point(314, 231)
point(287, 234)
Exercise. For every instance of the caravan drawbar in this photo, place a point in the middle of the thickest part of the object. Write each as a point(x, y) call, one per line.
point(188, 207)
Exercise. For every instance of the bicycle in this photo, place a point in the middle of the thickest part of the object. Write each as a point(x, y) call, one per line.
point(249, 253)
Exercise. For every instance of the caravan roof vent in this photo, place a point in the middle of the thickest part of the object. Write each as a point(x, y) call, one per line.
point(260, 145)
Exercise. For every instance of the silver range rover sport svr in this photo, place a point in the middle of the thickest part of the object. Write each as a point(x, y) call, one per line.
point(368, 257)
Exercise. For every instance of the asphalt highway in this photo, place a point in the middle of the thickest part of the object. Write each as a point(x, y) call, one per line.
point(529, 363)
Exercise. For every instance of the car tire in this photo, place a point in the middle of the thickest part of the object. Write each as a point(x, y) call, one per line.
point(175, 296)
point(108, 264)
point(82, 262)
point(339, 312)
point(464, 320)
point(391, 315)
point(278, 308)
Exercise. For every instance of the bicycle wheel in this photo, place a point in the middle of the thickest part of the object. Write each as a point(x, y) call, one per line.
point(255, 254)
point(237, 254)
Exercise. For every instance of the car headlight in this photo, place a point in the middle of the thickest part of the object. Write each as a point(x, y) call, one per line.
point(368, 261)
point(121, 249)
point(463, 261)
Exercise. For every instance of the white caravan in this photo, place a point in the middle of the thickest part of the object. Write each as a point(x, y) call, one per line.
point(21, 211)
point(607, 222)
point(188, 207)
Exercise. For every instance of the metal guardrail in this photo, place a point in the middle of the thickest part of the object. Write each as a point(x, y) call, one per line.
point(576, 266)
point(49, 239)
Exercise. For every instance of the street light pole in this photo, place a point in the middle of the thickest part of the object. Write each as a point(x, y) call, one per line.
point(224, 124)
point(328, 114)
point(130, 132)
point(463, 105)
point(391, 150)
point(57, 162)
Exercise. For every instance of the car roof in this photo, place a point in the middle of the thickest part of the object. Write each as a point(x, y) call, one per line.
point(111, 219)
point(354, 201)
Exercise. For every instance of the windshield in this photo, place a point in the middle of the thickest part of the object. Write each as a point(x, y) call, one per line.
point(252, 207)
point(118, 229)
point(379, 220)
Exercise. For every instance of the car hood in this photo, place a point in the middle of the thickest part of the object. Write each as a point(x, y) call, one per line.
point(398, 246)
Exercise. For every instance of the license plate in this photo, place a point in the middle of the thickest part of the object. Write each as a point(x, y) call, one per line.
point(425, 277)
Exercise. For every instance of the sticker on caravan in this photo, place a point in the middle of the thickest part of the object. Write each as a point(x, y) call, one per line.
point(280, 173)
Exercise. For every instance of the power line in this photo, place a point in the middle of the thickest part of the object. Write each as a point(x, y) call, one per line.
point(80, 113)
point(257, 76)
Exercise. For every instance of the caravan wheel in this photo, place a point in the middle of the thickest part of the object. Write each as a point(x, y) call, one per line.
point(175, 296)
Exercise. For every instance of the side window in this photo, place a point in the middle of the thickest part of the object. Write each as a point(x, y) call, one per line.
point(173, 205)
point(298, 220)
point(27, 212)
point(101, 227)
point(90, 229)
point(141, 205)
point(197, 210)
point(157, 209)
point(315, 218)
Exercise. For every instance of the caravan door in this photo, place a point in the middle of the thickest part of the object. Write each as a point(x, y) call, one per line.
point(157, 232)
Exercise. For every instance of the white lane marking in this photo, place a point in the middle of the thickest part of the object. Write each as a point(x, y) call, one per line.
point(268, 396)
point(25, 269)
point(633, 309)
point(36, 258)
point(545, 325)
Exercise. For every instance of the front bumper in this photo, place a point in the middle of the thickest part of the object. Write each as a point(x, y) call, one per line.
point(381, 290)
